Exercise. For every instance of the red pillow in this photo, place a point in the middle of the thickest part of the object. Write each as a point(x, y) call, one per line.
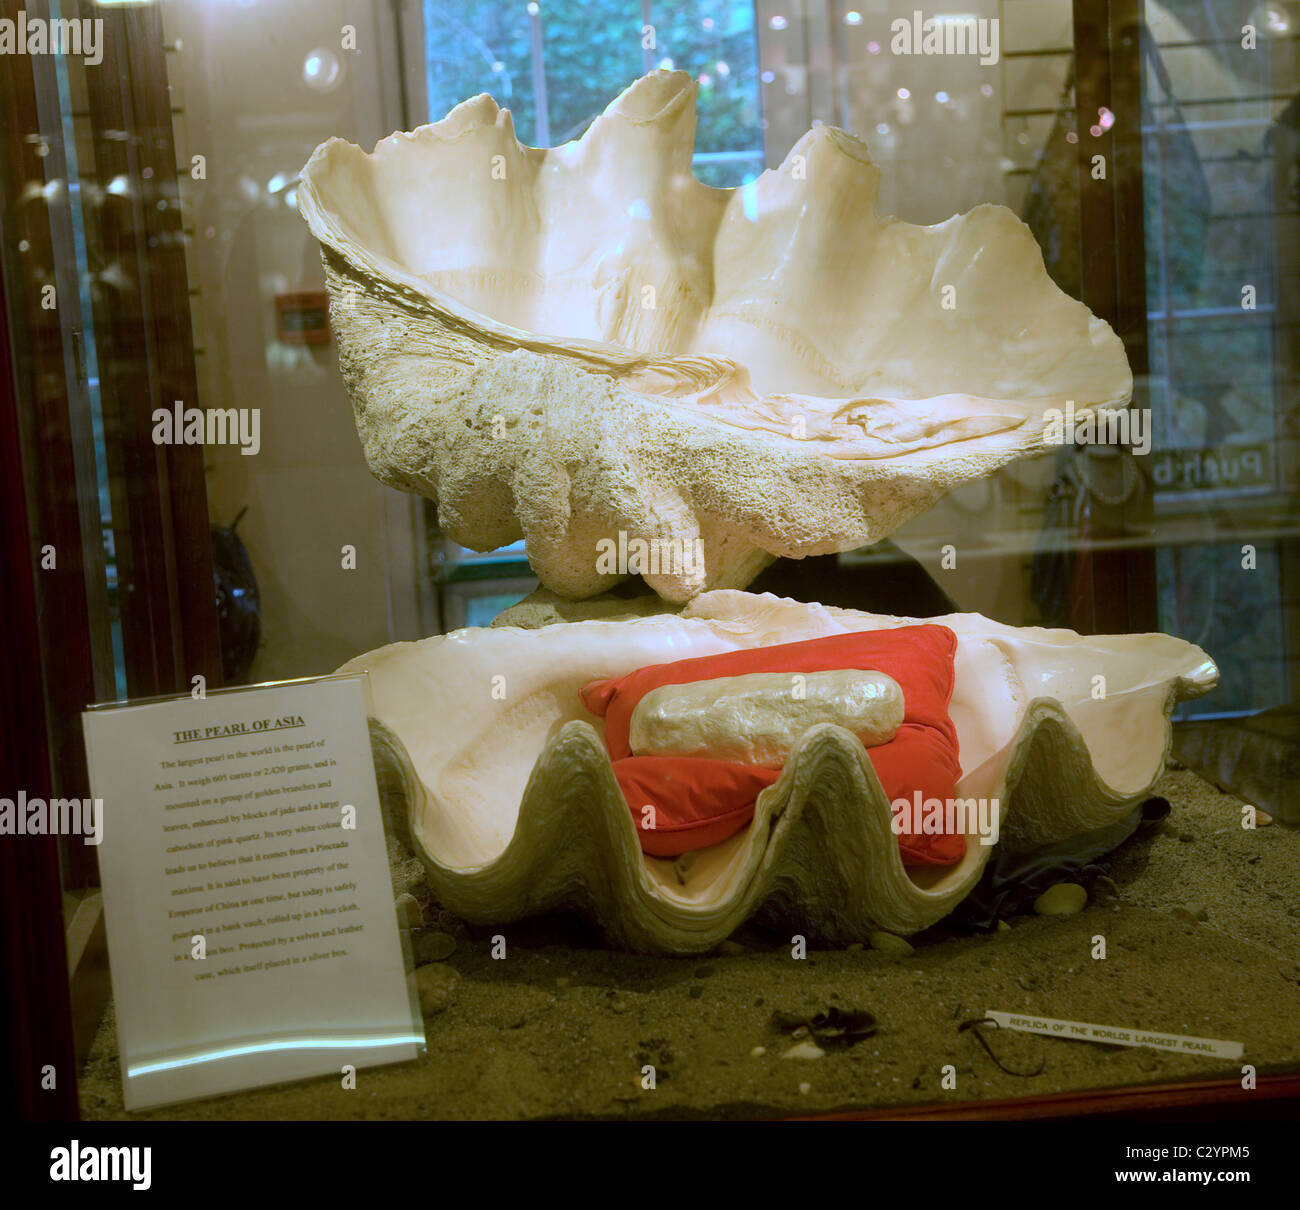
point(699, 802)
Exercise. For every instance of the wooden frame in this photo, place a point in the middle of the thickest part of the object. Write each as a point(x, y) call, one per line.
point(1275, 1097)
point(46, 397)
point(169, 621)
point(57, 618)
point(1117, 587)
point(38, 1029)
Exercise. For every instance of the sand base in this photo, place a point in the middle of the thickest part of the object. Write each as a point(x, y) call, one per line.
point(563, 1028)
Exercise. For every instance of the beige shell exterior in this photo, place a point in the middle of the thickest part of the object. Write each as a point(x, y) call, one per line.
point(508, 797)
point(582, 343)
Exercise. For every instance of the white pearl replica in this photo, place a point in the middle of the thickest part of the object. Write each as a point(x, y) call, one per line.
point(757, 718)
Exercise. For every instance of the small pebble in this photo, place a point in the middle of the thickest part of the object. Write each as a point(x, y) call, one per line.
point(435, 984)
point(1262, 819)
point(806, 1049)
point(805, 1089)
point(1189, 915)
point(758, 1052)
point(731, 948)
point(619, 1006)
point(408, 911)
point(1003, 927)
point(1186, 837)
point(1061, 899)
point(430, 945)
point(1028, 982)
point(889, 944)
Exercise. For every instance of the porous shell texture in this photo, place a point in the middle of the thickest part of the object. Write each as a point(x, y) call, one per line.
point(573, 344)
point(507, 795)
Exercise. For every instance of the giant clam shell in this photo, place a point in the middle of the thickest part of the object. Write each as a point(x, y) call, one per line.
point(510, 801)
point(570, 344)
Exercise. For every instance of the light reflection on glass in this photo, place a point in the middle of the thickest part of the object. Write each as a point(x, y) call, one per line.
point(235, 1052)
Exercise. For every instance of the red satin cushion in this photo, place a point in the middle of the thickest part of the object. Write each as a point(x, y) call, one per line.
point(699, 802)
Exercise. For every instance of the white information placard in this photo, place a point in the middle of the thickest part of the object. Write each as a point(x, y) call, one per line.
point(251, 930)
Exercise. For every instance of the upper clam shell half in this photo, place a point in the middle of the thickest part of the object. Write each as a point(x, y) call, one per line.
point(570, 344)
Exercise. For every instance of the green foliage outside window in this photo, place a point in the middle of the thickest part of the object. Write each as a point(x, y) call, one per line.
point(591, 51)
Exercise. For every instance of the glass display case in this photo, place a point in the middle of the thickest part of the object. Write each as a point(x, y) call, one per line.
point(241, 448)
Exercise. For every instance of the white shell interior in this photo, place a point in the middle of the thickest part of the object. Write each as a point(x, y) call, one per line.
point(787, 305)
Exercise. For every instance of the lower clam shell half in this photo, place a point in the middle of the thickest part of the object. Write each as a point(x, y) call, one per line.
point(584, 344)
point(504, 790)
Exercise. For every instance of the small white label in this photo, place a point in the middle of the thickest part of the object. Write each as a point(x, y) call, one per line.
point(1082, 1031)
